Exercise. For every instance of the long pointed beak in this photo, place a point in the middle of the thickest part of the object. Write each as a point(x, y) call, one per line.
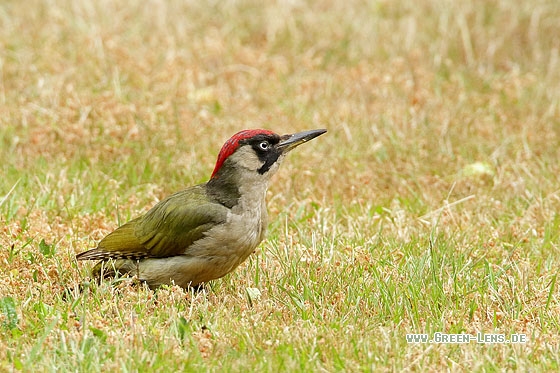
point(288, 142)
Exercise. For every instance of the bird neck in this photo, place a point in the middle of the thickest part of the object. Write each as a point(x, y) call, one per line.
point(225, 190)
point(234, 186)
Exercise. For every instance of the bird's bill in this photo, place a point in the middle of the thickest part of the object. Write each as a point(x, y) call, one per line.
point(288, 142)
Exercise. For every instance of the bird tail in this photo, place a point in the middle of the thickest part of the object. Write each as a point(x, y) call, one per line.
point(114, 268)
point(93, 254)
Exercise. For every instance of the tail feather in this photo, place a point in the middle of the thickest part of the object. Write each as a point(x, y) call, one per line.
point(100, 254)
point(93, 254)
point(114, 268)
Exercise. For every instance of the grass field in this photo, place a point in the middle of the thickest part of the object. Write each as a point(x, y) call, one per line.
point(431, 205)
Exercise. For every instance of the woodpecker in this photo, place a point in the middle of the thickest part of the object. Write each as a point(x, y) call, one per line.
point(205, 231)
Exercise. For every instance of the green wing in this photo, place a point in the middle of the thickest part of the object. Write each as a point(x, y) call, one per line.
point(174, 224)
point(168, 229)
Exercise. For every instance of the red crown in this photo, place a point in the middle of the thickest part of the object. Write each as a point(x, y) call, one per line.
point(233, 143)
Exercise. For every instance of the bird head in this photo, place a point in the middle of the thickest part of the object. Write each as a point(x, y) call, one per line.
point(258, 151)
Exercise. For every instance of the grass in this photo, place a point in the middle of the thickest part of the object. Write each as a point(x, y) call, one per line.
point(430, 206)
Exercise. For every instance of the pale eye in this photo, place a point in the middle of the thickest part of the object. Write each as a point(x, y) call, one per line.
point(264, 145)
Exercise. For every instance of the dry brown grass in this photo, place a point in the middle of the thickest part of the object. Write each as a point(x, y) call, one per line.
point(444, 128)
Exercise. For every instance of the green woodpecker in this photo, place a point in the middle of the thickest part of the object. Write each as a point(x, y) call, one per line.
point(203, 232)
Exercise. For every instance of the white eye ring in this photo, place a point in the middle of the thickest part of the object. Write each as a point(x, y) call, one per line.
point(264, 145)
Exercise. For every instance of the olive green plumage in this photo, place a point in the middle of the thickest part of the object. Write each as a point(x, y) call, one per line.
point(203, 232)
point(168, 229)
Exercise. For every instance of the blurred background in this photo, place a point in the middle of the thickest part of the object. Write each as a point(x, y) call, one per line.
point(443, 120)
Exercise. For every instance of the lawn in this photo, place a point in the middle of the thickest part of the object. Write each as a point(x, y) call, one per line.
point(430, 206)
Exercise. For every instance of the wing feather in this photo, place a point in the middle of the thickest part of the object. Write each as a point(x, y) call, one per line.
point(168, 229)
